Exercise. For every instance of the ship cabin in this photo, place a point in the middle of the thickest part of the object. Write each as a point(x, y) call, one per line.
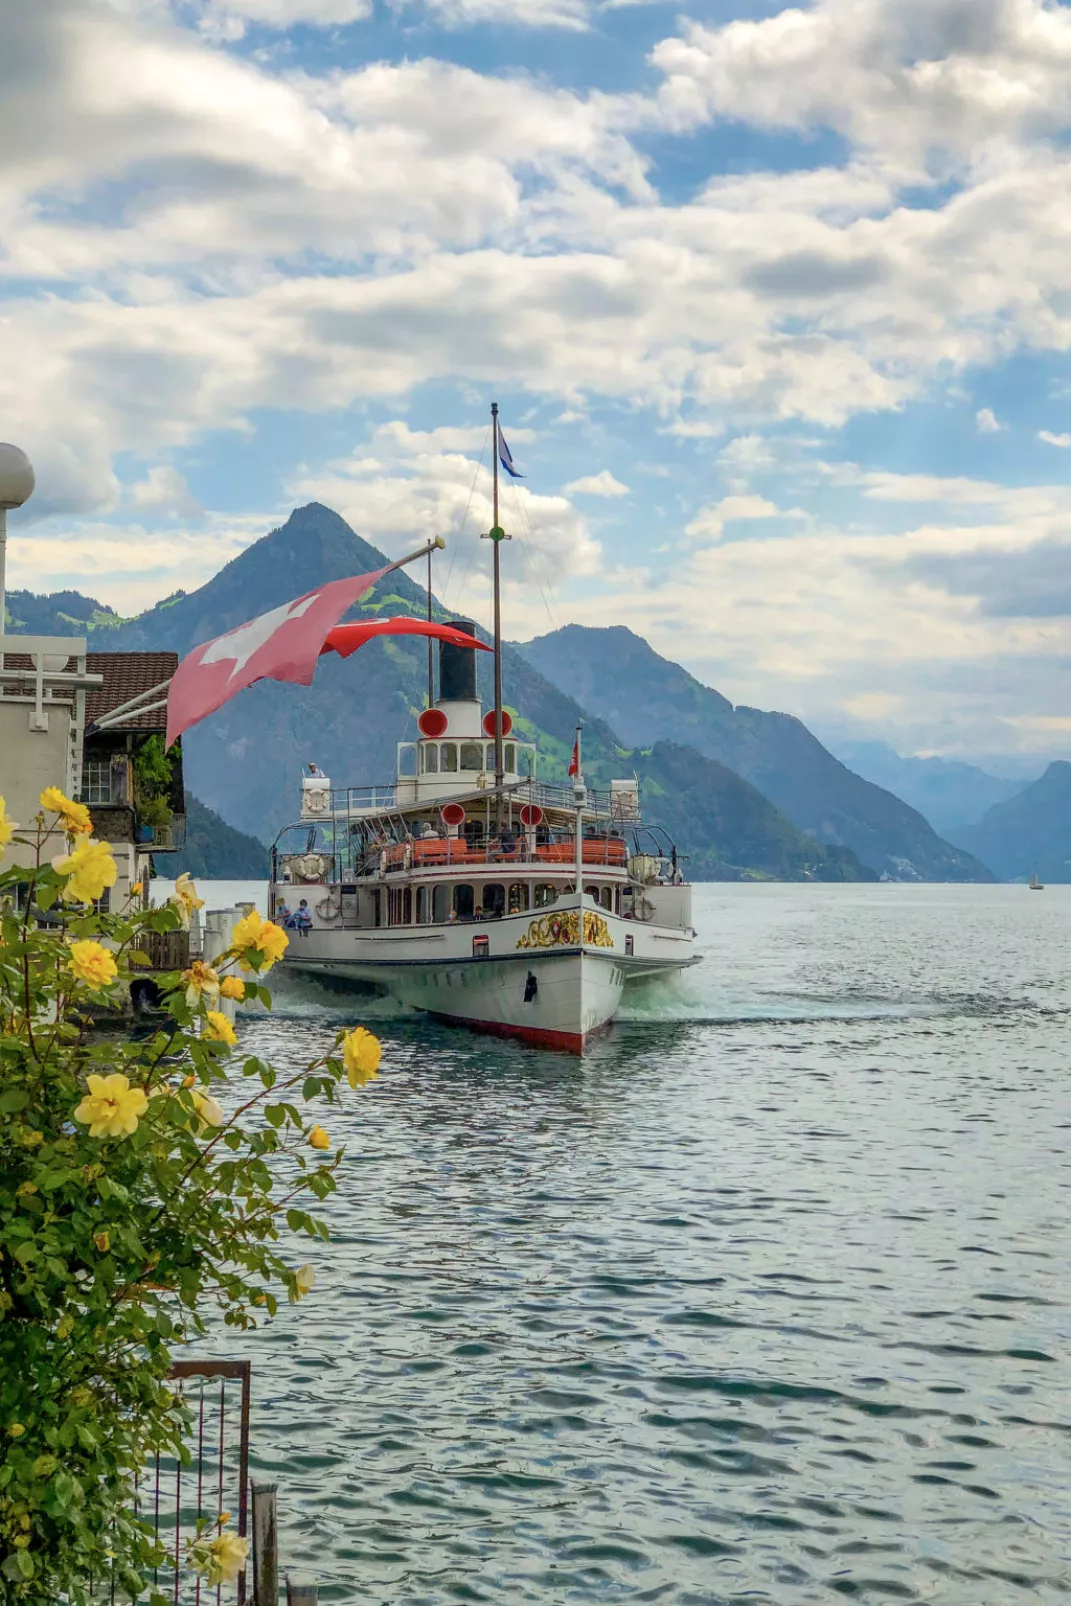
point(444, 845)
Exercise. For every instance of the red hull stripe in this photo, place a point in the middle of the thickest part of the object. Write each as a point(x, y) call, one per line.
point(538, 1036)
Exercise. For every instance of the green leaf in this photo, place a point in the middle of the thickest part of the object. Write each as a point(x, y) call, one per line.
point(13, 1099)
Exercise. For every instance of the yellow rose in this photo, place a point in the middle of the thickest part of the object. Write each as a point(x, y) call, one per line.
point(200, 979)
point(361, 1053)
point(259, 944)
point(219, 1028)
point(185, 899)
point(306, 1281)
point(102, 1241)
point(90, 868)
point(207, 1108)
point(232, 987)
point(75, 816)
point(93, 964)
point(7, 827)
point(111, 1108)
point(221, 1560)
point(319, 1138)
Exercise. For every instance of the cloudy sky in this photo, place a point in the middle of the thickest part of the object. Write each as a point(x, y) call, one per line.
point(776, 303)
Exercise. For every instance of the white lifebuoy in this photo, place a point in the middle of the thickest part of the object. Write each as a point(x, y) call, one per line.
point(327, 909)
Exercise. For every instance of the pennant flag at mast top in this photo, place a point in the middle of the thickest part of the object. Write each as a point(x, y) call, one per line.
point(505, 457)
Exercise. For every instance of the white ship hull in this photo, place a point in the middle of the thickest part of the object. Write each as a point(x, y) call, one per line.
point(526, 976)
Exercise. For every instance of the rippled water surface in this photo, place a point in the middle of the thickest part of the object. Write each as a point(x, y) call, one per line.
point(765, 1300)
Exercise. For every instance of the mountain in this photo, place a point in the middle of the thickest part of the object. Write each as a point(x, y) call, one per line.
point(214, 848)
point(1028, 832)
point(947, 792)
point(244, 762)
point(59, 613)
point(730, 832)
point(646, 698)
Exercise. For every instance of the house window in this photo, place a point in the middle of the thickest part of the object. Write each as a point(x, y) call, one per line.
point(97, 780)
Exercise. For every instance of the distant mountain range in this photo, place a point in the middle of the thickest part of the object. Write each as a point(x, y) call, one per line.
point(245, 761)
point(744, 793)
point(619, 677)
point(948, 792)
point(1028, 832)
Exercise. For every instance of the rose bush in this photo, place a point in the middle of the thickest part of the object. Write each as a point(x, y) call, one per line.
point(145, 1183)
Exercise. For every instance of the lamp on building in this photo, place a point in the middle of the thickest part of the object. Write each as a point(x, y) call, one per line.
point(16, 487)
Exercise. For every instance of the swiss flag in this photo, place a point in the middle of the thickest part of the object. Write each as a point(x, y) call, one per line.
point(281, 645)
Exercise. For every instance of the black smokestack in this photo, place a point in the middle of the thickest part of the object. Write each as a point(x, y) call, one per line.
point(457, 667)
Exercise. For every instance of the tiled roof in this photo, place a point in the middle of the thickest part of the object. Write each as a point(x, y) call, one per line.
point(125, 675)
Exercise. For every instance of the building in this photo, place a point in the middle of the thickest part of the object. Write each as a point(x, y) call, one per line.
point(93, 724)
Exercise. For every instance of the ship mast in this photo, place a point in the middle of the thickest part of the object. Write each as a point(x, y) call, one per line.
point(497, 537)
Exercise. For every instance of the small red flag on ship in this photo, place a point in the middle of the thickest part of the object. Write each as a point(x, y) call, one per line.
point(574, 767)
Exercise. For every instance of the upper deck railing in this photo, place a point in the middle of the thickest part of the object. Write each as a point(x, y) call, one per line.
point(357, 802)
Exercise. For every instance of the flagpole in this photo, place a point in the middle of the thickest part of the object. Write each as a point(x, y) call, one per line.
point(431, 662)
point(496, 541)
point(580, 797)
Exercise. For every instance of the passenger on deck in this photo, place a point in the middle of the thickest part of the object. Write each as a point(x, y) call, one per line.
point(429, 833)
point(508, 840)
point(303, 918)
point(284, 915)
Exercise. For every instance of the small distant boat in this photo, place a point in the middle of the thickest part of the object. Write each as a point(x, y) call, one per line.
point(1035, 884)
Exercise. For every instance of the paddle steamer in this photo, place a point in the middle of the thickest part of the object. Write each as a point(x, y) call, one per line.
point(475, 890)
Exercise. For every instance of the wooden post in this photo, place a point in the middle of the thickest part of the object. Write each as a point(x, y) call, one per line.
point(265, 1545)
point(302, 1594)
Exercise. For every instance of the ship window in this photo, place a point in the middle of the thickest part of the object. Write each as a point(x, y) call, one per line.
point(510, 760)
point(606, 898)
point(407, 907)
point(448, 753)
point(472, 755)
point(429, 758)
point(545, 895)
point(494, 901)
point(630, 943)
point(407, 759)
point(440, 904)
point(464, 902)
point(518, 897)
point(422, 901)
point(592, 892)
point(377, 904)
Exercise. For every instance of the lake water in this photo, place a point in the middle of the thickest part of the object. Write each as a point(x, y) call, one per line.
point(765, 1300)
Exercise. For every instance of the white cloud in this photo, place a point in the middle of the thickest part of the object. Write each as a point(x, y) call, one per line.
point(987, 422)
point(601, 484)
point(165, 492)
point(1063, 441)
point(923, 82)
point(571, 14)
point(710, 524)
point(228, 17)
point(391, 495)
